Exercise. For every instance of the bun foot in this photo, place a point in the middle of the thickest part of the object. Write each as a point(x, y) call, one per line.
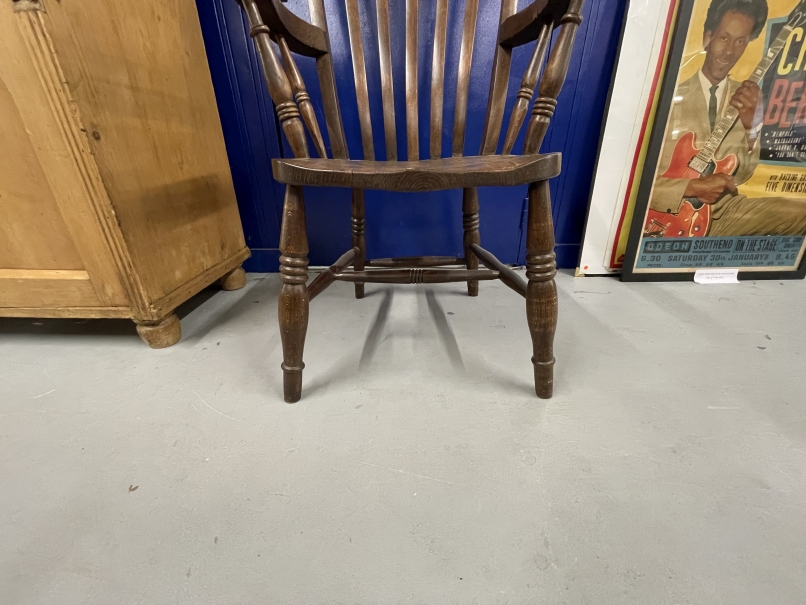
point(162, 333)
point(234, 280)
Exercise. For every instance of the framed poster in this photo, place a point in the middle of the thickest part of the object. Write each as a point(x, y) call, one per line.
point(625, 136)
point(724, 184)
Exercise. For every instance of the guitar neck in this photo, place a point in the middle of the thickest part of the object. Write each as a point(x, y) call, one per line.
point(722, 129)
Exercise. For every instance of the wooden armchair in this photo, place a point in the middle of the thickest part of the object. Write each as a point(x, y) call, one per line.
point(278, 33)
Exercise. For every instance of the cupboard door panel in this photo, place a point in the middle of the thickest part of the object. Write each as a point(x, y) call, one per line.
point(46, 288)
point(154, 131)
point(32, 232)
point(56, 212)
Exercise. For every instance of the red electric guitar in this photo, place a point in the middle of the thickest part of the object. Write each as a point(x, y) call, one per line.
point(694, 217)
point(688, 162)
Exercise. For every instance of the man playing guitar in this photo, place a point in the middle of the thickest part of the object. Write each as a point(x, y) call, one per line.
point(699, 104)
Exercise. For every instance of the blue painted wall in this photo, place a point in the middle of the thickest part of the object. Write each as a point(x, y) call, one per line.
point(407, 224)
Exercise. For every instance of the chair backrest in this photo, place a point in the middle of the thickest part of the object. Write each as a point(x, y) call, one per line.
point(271, 23)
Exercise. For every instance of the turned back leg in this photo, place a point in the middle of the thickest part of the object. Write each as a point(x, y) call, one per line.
point(359, 239)
point(293, 303)
point(470, 222)
point(541, 292)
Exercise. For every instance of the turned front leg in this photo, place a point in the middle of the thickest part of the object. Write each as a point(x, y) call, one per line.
point(470, 222)
point(541, 292)
point(293, 304)
point(359, 240)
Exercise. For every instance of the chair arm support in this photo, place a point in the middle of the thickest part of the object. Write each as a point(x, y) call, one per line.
point(525, 25)
point(303, 38)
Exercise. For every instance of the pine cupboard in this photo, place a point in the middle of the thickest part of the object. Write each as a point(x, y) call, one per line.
point(116, 198)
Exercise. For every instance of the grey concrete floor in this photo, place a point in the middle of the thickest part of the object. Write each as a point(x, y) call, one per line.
point(419, 467)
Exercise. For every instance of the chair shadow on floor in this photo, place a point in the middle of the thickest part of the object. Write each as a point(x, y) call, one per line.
point(346, 368)
point(373, 338)
point(444, 331)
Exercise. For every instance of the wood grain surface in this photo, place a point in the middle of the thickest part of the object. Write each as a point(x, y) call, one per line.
point(115, 193)
point(154, 132)
point(412, 104)
point(360, 77)
point(424, 175)
point(387, 79)
point(463, 77)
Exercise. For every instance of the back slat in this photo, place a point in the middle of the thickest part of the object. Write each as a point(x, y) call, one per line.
point(463, 80)
point(438, 77)
point(327, 83)
point(387, 86)
point(412, 119)
point(498, 87)
point(360, 74)
point(284, 78)
point(527, 90)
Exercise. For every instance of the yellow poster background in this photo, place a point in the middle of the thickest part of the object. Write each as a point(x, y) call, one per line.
point(694, 55)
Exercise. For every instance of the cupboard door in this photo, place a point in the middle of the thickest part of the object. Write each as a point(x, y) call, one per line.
point(137, 72)
point(55, 218)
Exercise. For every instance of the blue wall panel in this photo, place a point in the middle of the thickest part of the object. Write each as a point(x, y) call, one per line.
point(250, 128)
point(407, 224)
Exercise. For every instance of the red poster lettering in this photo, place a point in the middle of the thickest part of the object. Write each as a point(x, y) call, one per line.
point(774, 110)
point(800, 114)
point(791, 103)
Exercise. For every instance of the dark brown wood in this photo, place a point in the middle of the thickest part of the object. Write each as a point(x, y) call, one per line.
point(416, 261)
point(303, 37)
point(463, 78)
point(359, 239)
point(527, 24)
point(412, 106)
point(302, 97)
point(554, 78)
point(327, 277)
point(327, 84)
point(470, 224)
point(505, 274)
point(360, 74)
point(293, 302)
point(387, 81)
point(416, 276)
point(438, 77)
point(541, 292)
point(270, 21)
point(425, 175)
point(277, 82)
point(527, 89)
point(499, 80)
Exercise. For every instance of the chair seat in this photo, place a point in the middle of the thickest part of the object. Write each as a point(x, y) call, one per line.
point(422, 175)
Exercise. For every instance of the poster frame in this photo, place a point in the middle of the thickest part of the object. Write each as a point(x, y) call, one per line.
point(675, 56)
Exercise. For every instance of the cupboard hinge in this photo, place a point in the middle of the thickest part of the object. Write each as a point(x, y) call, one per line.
point(27, 5)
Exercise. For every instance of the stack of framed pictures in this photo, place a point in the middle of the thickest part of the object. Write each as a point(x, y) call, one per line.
point(723, 184)
point(625, 137)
